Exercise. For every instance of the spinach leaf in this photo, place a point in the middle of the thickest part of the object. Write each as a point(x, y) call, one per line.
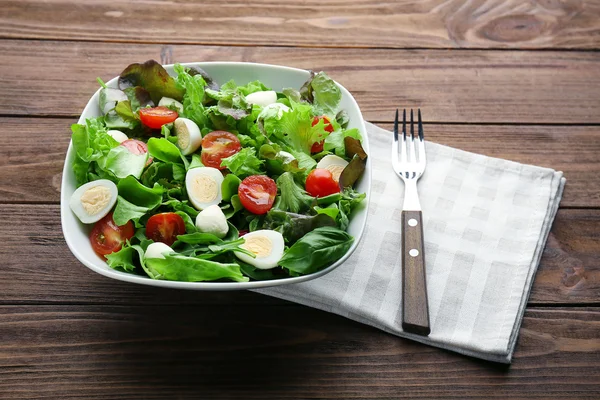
point(190, 269)
point(316, 250)
point(135, 200)
point(260, 274)
point(229, 187)
point(162, 149)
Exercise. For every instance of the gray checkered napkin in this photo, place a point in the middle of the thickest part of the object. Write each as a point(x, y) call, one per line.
point(486, 221)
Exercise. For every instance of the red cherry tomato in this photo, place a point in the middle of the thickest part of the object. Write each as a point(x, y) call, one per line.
point(156, 117)
point(218, 145)
point(107, 237)
point(136, 147)
point(165, 227)
point(320, 183)
point(317, 147)
point(257, 193)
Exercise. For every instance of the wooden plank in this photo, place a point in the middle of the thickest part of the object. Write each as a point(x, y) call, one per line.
point(32, 173)
point(357, 23)
point(38, 267)
point(137, 352)
point(450, 86)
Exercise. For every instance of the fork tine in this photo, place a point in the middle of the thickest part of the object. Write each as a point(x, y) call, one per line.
point(396, 126)
point(413, 155)
point(422, 158)
point(403, 157)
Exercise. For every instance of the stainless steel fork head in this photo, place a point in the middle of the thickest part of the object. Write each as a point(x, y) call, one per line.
point(408, 161)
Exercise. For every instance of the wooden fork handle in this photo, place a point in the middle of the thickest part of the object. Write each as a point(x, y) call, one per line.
point(415, 308)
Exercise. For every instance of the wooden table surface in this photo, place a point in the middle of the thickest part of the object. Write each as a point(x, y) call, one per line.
point(513, 79)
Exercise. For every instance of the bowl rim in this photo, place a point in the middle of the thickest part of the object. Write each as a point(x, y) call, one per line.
point(212, 286)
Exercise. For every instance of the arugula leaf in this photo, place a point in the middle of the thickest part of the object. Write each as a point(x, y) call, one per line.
point(244, 163)
point(124, 259)
point(152, 77)
point(316, 250)
point(189, 269)
point(292, 197)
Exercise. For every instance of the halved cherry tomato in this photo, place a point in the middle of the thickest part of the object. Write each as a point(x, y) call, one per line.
point(320, 183)
point(136, 147)
point(257, 193)
point(317, 147)
point(165, 227)
point(218, 145)
point(156, 117)
point(107, 237)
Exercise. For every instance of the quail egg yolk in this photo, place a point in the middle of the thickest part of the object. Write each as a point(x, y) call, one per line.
point(204, 188)
point(95, 199)
point(259, 245)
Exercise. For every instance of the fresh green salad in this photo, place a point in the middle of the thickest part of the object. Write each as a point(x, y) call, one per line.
point(184, 179)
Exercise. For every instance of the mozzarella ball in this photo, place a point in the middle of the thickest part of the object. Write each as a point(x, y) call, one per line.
point(263, 98)
point(92, 201)
point(157, 250)
point(171, 103)
point(333, 164)
point(212, 220)
point(117, 135)
point(267, 245)
point(203, 186)
point(188, 134)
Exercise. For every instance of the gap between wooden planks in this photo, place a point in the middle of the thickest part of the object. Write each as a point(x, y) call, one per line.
point(450, 86)
point(37, 266)
point(502, 24)
point(276, 352)
point(33, 172)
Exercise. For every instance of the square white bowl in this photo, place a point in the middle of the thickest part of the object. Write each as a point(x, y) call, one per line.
point(277, 77)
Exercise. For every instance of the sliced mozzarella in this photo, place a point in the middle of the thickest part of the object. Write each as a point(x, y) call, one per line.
point(263, 98)
point(188, 134)
point(109, 98)
point(267, 245)
point(117, 135)
point(157, 250)
point(203, 186)
point(334, 164)
point(92, 201)
point(171, 103)
point(212, 220)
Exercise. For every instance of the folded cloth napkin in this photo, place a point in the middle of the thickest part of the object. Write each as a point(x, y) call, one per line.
point(485, 224)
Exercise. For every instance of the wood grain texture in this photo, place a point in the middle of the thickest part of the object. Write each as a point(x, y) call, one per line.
point(32, 172)
point(415, 306)
point(250, 352)
point(572, 24)
point(450, 86)
point(37, 266)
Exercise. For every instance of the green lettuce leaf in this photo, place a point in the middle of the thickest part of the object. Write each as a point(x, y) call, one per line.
point(135, 200)
point(189, 269)
point(295, 130)
point(292, 197)
point(193, 100)
point(121, 162)
point(244, 163)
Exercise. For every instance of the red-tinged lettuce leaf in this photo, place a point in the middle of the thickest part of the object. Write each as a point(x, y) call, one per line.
point(152, 77)
point(353, 147)
point(138, 97)
point(210, 82)
point(353, 171)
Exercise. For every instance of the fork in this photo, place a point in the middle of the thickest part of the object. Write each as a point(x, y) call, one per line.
point(409, 165)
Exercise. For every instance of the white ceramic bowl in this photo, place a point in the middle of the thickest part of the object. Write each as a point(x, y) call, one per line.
point(277, 77)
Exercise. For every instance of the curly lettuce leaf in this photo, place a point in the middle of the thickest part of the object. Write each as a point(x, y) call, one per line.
point(244, 163)
point(194, 97)
point(321, 91)
point(292, 197)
